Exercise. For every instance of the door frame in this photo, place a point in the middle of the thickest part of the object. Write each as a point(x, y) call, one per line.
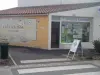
point(49, 32)
point(58, 33)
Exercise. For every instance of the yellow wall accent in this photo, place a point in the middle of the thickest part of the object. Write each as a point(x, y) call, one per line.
point(42, 33)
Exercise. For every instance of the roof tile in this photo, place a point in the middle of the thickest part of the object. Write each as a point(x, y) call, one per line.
point(46, 9)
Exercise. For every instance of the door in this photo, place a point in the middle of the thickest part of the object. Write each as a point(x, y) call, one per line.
point(55, 34)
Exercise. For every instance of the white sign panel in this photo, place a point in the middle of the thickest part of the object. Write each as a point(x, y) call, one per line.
point(17, 29)
point(75, 45)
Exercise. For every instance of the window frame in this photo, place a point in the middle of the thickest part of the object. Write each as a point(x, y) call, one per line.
point(72, 23)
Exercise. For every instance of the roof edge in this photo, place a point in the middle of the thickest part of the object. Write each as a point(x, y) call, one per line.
point(6, 15)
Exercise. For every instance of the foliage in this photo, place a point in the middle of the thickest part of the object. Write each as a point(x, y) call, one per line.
point(96, 44)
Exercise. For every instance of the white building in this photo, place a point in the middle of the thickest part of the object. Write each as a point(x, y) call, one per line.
point(91, 18)
point(92, 13)
point(22, 3)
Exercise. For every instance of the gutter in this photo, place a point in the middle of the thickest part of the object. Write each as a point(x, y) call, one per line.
point(23, 15)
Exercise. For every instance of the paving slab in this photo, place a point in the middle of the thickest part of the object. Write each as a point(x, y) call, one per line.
point(5, 72)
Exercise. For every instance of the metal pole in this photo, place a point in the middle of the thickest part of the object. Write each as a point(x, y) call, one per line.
point(82, 51)
point(73, 56)
point(68, 54)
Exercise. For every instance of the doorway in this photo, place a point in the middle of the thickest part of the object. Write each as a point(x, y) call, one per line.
point(55, 34)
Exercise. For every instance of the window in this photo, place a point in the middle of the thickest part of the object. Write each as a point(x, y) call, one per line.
point(74, 30)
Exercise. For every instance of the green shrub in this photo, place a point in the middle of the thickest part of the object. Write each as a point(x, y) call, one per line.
point(96, 44)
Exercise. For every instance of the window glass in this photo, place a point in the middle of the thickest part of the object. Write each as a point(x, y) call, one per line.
point(71, 31)
point(56, 18)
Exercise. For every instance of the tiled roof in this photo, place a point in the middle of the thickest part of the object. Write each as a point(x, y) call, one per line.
point(46, 9)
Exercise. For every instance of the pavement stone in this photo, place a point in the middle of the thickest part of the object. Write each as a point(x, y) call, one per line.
point(5, 72)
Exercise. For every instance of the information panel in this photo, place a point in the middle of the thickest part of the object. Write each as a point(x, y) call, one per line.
point(17, 29)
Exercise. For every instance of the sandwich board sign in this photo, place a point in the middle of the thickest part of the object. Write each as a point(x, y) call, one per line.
point(75, 46)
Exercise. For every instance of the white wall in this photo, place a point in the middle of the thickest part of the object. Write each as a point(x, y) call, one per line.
point(96, 22)
point(95, 25)
point(85, 12)
point(50, 2)
point(96, 28)
point(36, 2)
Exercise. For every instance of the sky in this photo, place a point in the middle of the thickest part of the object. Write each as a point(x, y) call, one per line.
point(5, 4)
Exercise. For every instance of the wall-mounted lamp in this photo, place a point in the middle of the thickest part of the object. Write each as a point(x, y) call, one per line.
point(38, 21)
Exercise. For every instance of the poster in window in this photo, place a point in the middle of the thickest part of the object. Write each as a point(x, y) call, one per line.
point(67, 36)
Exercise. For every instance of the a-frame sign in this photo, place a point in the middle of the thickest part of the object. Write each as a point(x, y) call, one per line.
point(76, 45)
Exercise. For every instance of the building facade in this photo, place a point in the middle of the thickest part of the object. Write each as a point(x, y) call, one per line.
point(80, 24)
point(23, 3)
point(59, 25)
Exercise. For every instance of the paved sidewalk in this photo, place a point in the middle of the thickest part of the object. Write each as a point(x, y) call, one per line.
point(19, 54)
point(96, 62)
point(5, 71)
point(34, 54)
point(34, 58)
